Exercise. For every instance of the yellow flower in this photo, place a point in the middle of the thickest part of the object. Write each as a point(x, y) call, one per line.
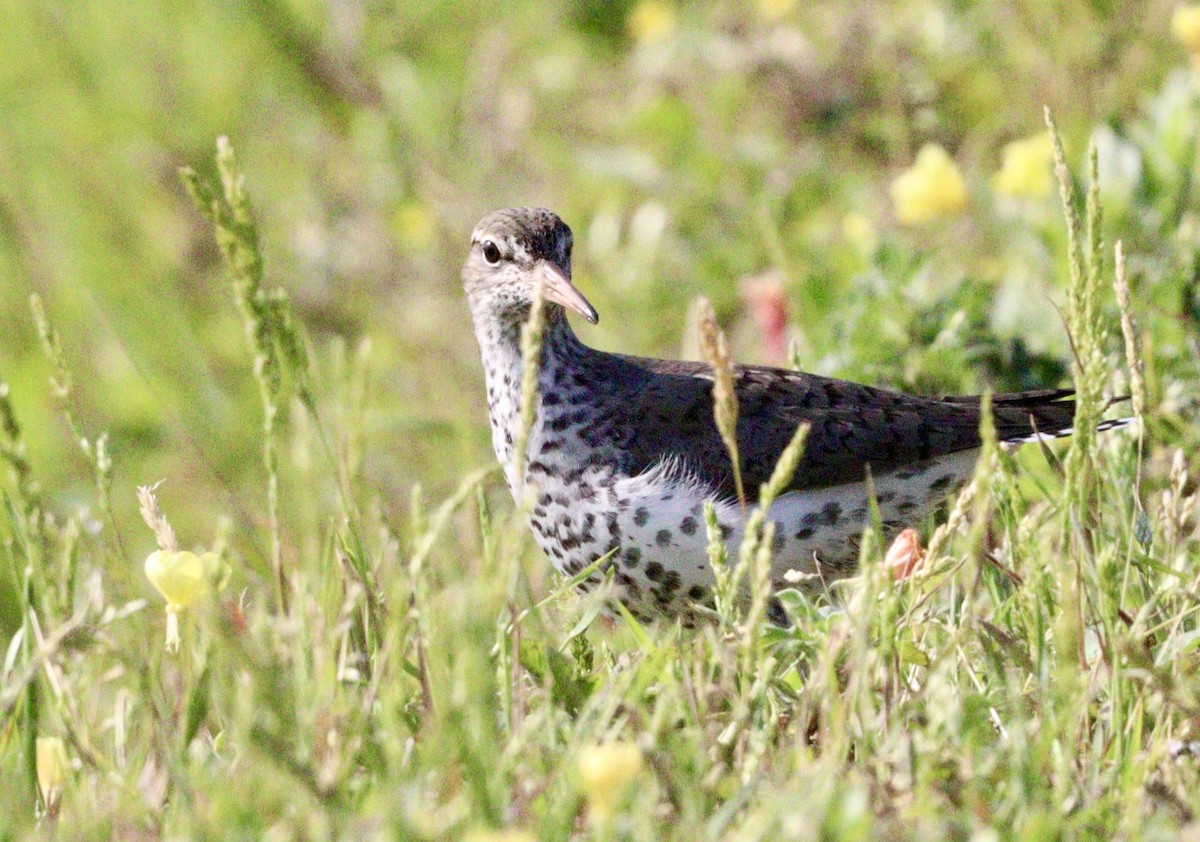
point(931, 188)
point(183, 578)
point(52, 767)
point(1185, 26)
point(1025, 168)
point(414, 225)
point(859, 232)
point(650, 20)
point(508, 834)
point(605, 773)
point(773, 10)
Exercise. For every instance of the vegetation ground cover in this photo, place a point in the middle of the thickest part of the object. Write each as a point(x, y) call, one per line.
point(387, 655)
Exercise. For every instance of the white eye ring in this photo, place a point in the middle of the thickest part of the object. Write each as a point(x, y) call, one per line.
point(491, 252)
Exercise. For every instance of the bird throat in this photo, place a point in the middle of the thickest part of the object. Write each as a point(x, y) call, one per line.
point(499, 338)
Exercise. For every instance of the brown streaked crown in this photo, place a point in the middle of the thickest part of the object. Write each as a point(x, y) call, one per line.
point(534, 233)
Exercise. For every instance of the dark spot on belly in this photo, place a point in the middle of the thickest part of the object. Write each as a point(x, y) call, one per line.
point(641, 515)
point(832, 513)
point(663, 537)
point(688, 526)
point(633, 557)
point(654, 571)
point(805, 533)
point(777, 614)
point(942, 483)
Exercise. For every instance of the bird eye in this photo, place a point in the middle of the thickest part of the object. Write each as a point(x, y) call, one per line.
point(491, 253)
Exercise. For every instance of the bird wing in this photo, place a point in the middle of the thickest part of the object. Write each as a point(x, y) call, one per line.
point(852, 428)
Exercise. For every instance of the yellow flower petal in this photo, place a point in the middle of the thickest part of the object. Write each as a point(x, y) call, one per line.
point(859, 232)
point(52, 766)
point(605, 773)
point(1025, 168)
point(183, 577)
point(773, 10)
point(507, 835)
point(1185, 26)
point(650, 20)
point(414, 225)
point(930, 189)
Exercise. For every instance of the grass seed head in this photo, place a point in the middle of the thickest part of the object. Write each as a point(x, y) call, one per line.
point(715, 350)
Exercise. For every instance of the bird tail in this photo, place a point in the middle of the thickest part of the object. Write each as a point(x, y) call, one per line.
point(1042, 416)
point(1064, 432)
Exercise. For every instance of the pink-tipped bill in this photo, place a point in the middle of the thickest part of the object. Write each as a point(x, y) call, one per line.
point(560, 290)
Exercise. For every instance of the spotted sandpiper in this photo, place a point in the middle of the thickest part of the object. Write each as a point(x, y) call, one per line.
point(624, 451)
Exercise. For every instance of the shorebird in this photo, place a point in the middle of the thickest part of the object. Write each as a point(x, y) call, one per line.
point(624, 451)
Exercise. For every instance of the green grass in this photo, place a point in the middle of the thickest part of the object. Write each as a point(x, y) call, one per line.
point(391, 657)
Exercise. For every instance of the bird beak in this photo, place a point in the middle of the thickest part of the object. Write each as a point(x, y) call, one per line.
point(560, 290)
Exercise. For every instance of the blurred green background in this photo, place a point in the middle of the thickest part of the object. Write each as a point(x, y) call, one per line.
point(690, 146)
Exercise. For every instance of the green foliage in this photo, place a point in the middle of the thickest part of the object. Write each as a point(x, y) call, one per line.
point(391, 658)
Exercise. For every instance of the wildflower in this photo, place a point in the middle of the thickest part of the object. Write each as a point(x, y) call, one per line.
point(905, 555)
point(605, 773)
point(413, 225)
point(650, 21)
point(508, 834)
point(183, 578)
point(773, 10)
point(767, 302)
point(1185, 26)
point(52, 766)
point(931, 188)
point(859, 232)
point(1025, 168)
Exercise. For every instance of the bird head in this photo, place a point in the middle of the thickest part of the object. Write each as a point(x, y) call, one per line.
point(510, 250)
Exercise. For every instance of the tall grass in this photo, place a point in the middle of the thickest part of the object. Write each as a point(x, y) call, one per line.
point(1034, 679)
point(390, 658)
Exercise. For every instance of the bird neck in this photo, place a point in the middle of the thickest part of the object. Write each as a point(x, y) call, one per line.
point(499, 337)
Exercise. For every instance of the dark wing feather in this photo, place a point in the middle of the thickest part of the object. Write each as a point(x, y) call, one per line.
point(669, 414)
